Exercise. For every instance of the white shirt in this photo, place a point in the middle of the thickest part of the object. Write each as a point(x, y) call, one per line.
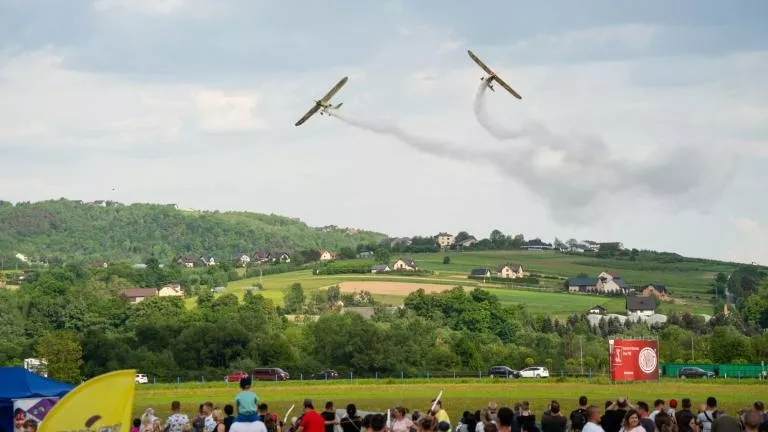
point(592, 427)
point(176, 422)
point(210, 424)
point(256, 426)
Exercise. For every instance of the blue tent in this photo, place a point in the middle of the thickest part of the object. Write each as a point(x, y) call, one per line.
point(19, 383)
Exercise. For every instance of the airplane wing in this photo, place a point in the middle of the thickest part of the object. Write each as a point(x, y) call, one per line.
point(309, 114)
point(480, 63)
point(506, 86)
point(333, 91)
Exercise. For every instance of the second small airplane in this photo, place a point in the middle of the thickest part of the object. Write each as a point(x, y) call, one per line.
point(492, 76)
point(324, 105)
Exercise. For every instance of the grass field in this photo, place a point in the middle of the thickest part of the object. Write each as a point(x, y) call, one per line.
point(689, 281)
point(458, 395)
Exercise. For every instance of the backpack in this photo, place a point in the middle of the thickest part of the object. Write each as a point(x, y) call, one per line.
point(198, 425)
point(578, 419)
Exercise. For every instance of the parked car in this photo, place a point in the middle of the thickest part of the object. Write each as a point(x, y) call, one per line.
point(326, 374)
point(503, 371)
point(235, 376)
point(141, 379)
point(535, 372)
point(269, 374)
point(694, 372)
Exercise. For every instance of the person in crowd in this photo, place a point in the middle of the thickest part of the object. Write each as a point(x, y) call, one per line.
point(378, 423)
point(759, 406)
point(726, 423)
point(246, 402)
point(658, 407)
point(19, 416)
point(578, 416)
point(177, 421)
point(664, 422)
point(593, 420)
point(506, 419)
point(439, 413)
point(492, 410)
point(30, 425)
point(483, 419)
point(464, 421)
point(645, 420)
point(672, 409)
point(615, 414)
point(490, 427)
point(443, 426)
point(351, 422)
point(229, 416)
point(555, 421)
point(270, 420)
point(329, 416)
point(136, 425)
point(148, 420)
point(527, 418)
point(708, 414)
point(254, 426)
point(218, 417)
point(428, 424)
point(311, 421)
point(685, 412)
point(401, 423)
point(198, 424)
point(631, 422)
point(517, 407)
point(752, 421)
point(208, 413)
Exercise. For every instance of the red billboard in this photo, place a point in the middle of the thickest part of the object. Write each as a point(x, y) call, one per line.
point(634, 360)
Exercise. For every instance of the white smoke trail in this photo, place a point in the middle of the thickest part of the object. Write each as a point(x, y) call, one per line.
point(481, 114)
point(426, 145)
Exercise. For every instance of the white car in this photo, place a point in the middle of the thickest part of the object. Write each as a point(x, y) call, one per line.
point(141, 379)
point(535, 372)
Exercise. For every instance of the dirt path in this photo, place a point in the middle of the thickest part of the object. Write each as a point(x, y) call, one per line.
point(392, 288)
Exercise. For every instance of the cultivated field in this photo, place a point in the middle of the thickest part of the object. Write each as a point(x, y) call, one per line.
point(458, 396)
point(688, 281)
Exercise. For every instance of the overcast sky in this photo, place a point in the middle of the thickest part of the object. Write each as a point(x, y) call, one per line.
point(655, 112)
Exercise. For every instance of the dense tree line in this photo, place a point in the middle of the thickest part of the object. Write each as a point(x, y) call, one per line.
point(64, 231)
point(77, 319)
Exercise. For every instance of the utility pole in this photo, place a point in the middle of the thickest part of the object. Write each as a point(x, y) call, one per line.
point(693, 351)
point(581, 355)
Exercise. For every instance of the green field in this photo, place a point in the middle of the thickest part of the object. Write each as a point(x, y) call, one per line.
point(467, 394)
point(688, 281)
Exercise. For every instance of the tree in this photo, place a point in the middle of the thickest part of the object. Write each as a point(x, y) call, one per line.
point(381, 255)
point(294, 299)
point(461, 236)
point(446, 260)
point(64, 355)
point(497, 239)
point(517, 241)
point(558, 244)
point(347, 253)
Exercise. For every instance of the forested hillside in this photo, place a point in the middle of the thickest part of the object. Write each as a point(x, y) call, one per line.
point(65, 230)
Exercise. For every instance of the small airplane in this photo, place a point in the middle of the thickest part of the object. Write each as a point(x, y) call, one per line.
point(324, 105)
point(492, 76)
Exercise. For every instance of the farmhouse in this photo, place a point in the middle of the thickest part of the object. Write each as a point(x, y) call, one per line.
point(325, 255)
point(406, 264)
point(279, 257)
point(640, 306)
point(187, 261)
point(468, 242)
point(509, 271)
point(611, 283)
point(583, 284)
point(445, 240)
point(380, 268)
point(136, 295)
point(172, 290)
point(597, 310)
point(241, 260)
point(657, 290)
point(363, 254)
point(260, 257)
point(537, 244)
point(480, 272)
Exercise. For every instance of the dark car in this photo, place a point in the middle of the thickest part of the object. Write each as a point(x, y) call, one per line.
point(326, 374)
point(269, 374)
point(694, 372)
point(503, 371)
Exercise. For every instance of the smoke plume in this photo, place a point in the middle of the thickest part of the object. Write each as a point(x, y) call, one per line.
point(576, 175)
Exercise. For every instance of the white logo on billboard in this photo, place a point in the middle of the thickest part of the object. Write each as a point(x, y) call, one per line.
point(647, 360)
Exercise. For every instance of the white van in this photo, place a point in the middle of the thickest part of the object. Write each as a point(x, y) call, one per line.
point(141, 379)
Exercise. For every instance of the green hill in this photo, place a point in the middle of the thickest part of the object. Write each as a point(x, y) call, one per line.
point(67, 230)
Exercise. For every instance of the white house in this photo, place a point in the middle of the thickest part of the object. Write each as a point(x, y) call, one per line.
point(241, 260)
point(640, 306)
point(136, 295)
point(325, 255)
point(172, 290)
point(480, 272)
point(445, 240)
point(406, 264)
point(380, 268)
point(611, 283)
point(468, 242)
point(509, 271)
point(597, 310)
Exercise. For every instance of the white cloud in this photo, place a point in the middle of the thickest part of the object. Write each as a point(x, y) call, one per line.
point(160, 7)
point(220, 112)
